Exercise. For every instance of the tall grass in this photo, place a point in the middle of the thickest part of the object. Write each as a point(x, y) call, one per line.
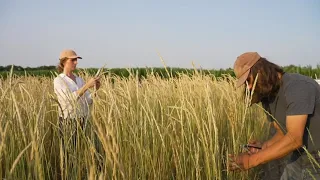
point(175, 128)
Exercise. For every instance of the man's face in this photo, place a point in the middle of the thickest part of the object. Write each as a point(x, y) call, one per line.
point(257, 91)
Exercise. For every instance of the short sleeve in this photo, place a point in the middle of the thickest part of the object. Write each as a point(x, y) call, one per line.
point(300, 97)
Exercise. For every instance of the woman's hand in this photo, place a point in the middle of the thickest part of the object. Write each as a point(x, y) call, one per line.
point(92, 82)
point(97, 85)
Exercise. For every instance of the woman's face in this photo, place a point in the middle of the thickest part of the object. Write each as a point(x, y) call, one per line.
point(70, 65)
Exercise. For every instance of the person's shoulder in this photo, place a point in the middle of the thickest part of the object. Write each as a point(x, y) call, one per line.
point(58, 78)
point(290, 80)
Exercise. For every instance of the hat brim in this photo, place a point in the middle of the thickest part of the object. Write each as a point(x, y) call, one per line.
point(73, 57)
point(243, 79)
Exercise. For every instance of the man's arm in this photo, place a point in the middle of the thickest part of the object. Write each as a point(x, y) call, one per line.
point(292, 140)
point(279, 134)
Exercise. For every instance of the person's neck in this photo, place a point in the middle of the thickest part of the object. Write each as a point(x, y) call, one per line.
point(68, 73)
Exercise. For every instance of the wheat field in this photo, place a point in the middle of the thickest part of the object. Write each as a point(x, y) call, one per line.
point(152, 128)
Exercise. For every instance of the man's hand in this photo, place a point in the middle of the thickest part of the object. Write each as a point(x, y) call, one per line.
point(255, 143)
point(239, 162)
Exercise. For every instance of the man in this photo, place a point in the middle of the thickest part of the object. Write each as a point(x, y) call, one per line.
point(292, 102)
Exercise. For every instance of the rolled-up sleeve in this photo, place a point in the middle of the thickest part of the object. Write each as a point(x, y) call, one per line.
point(87, 94)
point(88, 97)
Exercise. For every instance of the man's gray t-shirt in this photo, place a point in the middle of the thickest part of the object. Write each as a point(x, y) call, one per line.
point(298, 95)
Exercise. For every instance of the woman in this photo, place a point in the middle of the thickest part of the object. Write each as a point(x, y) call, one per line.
point(71, 90)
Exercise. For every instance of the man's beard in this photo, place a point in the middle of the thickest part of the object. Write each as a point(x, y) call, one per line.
point(258, 95)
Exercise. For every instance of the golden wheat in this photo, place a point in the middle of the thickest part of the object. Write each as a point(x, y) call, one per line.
point(176, 128)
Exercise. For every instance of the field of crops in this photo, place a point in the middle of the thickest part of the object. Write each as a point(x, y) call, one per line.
point(149, 128)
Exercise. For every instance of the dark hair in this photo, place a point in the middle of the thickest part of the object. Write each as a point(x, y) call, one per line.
point(60, 65)
point(268, 82)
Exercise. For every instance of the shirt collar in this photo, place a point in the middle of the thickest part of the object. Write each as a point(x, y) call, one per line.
point(63, 75)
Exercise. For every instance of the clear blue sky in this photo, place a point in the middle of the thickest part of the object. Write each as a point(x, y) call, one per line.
point(130, 33)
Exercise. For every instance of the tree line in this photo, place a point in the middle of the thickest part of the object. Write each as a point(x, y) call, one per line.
point(143, 72)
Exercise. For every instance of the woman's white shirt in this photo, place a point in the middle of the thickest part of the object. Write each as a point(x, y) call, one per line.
point(71, 105)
